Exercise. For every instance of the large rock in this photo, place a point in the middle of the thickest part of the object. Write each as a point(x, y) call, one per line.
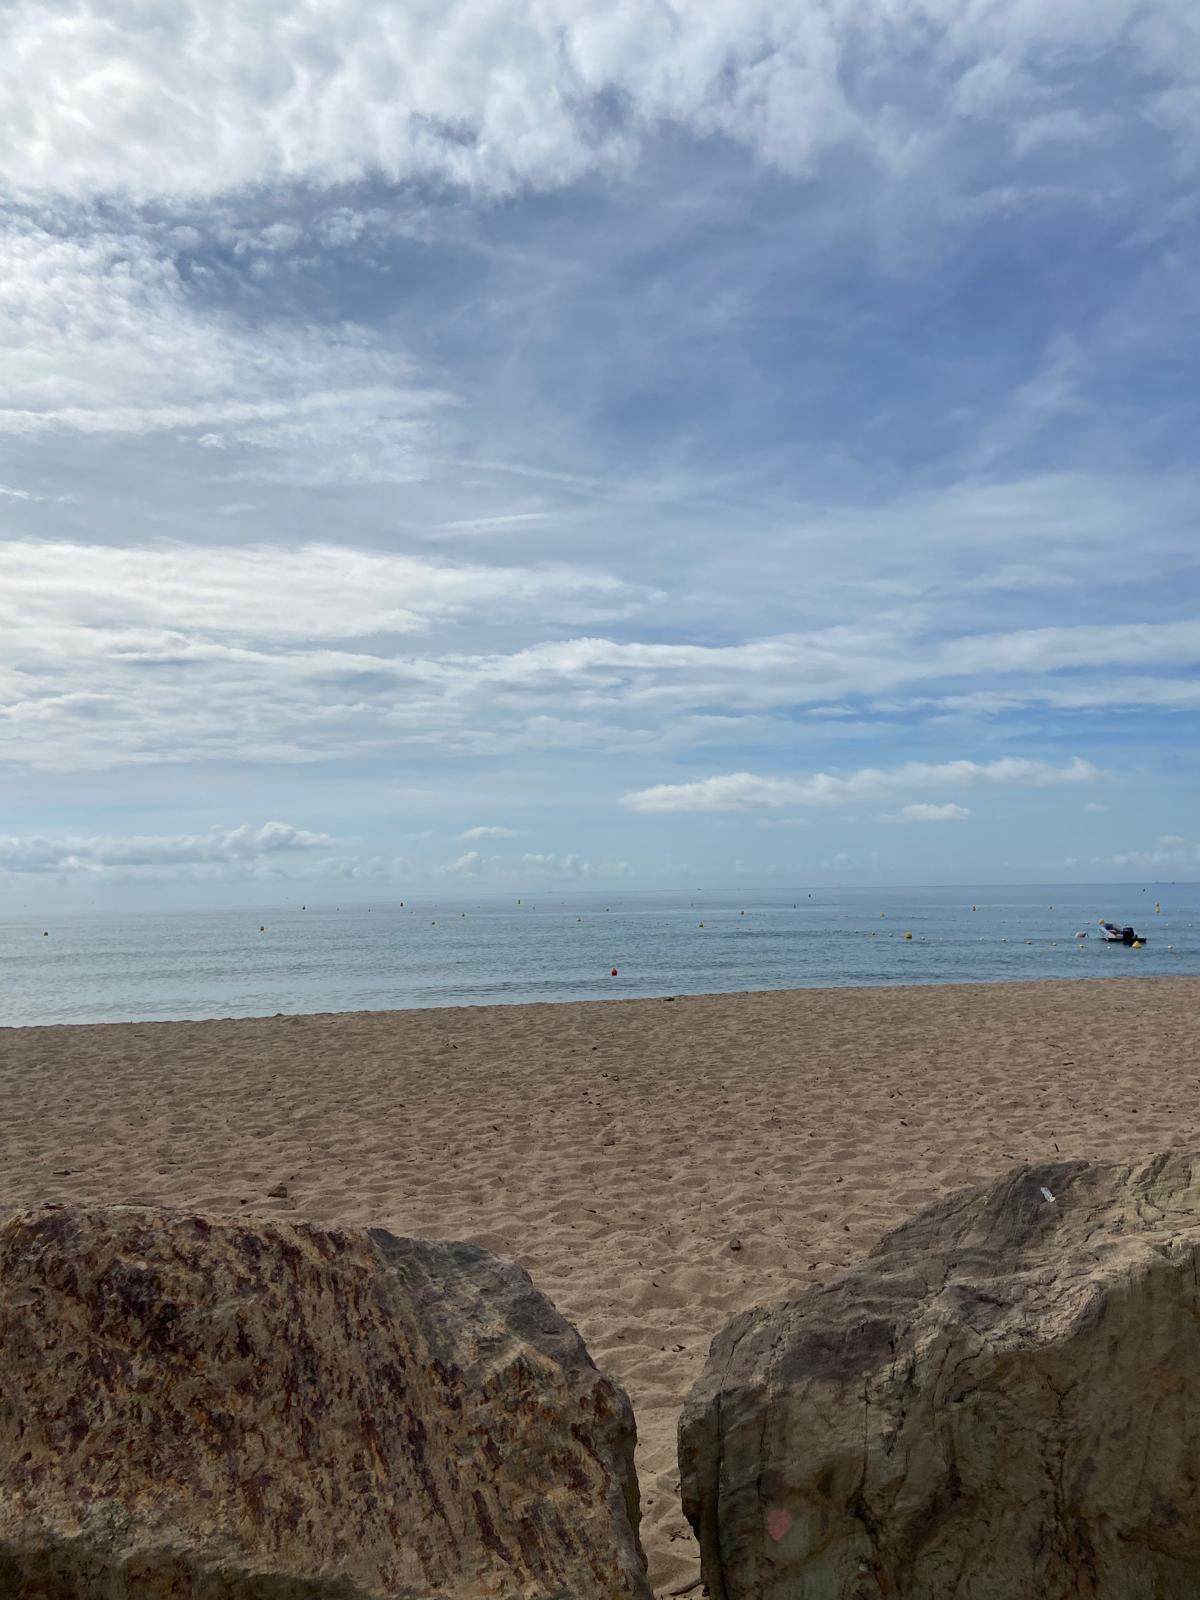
point(1001, 1402)
point(209, 1409)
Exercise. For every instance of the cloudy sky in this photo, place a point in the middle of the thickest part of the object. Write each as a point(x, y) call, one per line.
point(591, 442)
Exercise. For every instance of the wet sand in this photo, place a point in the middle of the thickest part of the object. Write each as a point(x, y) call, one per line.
point(616, 1149)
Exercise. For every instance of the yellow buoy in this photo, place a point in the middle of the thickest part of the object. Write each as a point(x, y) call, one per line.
point(1157, 907)
point(883, 913)
point(908, 935)
point(1136, 945)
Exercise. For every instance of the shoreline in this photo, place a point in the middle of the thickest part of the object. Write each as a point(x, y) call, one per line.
point(615, 1148)
point(620, 1000)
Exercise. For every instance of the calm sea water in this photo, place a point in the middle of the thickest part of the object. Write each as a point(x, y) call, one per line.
point(562, 947)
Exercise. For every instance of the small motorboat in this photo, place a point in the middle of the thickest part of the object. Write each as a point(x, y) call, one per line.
point(1111, 934)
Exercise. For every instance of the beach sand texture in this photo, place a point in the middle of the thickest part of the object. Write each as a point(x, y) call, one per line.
point(655, 1165)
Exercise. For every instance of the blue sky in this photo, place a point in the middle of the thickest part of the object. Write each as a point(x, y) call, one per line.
point(500, 445)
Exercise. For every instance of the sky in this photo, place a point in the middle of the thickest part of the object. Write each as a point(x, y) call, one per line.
point(512, 444)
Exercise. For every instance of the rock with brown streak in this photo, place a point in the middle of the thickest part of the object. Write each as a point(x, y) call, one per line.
point(197, 1408)
point(1001, 1402)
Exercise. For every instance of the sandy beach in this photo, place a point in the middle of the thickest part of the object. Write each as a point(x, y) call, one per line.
point(655, 1165)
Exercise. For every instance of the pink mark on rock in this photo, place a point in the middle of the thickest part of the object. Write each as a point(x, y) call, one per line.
point(778, 1523)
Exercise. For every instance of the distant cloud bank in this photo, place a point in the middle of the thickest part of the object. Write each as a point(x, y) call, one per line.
point(744, 791)
point(221, 847)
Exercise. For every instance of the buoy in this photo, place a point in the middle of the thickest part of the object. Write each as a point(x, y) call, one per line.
point(883, 913)
point(1157, 907)
point(1136, 945)
point(262, 930)
point(699, 924)
point(613, 973)
point(908, 935)
point(973, 908)
point(45, 933)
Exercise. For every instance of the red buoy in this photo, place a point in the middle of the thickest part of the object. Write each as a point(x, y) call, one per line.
point(614, 972)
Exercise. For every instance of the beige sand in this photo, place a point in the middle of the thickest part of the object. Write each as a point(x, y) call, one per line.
point(616, 1148)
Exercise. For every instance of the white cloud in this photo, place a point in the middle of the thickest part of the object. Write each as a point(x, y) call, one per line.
point(1102, 693)
point(158, 599)
point(102, 334)
point(470, 864)
point(1171, 851)
point(218, 96)
point(1095, 805)
point(127, 653)
point(101, 854)
point(118, 654)
point(488, 833)
point(532, 866)
point(922, 811)
point(490, 524)
point(123, 653)
point(844, 862)
point(105, 334)
point(800, 668)
point(1086, 645)
point(744, 791)
point(552, 865)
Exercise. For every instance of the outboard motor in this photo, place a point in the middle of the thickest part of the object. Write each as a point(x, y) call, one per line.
point(1127, 936)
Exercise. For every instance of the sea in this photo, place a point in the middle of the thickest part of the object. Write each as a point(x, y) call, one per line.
point(491, 950)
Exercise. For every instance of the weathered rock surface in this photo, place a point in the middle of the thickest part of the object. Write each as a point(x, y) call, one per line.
point(209, 1409)
point(1001, 1402)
